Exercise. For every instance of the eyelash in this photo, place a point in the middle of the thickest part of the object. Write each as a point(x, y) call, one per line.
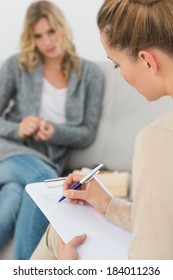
point(50, 32)
point(37, 37)
point(115, 66)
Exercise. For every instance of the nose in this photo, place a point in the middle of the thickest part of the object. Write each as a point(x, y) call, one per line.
point(46, 40)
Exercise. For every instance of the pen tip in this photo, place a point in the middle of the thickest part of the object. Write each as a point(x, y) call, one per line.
point(62, 198)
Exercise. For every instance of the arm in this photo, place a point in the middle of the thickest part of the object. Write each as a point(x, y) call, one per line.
point(153, 193)
point(93, 194)
point(51, 245)
point(118, 211)
point(90, 192)
point(7, 92)
point(10, 86)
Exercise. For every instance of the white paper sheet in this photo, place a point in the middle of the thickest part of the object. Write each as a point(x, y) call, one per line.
point(104, 240)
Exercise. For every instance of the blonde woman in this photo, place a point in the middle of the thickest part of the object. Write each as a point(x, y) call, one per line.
point(56, 106)
point(137, 36)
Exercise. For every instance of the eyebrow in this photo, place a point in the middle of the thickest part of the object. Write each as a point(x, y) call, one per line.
point(35, 35)
point(48, 30)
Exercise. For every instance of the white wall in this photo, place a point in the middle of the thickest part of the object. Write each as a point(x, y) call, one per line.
point(80, 14)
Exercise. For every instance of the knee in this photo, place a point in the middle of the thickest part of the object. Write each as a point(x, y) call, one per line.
point(11, 194)
point(46, 172)
point(15, 188)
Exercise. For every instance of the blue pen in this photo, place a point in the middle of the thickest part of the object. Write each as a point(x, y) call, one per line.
point(85, 179)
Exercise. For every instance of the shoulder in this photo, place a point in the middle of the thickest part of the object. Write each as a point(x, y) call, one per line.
point(90, 67)
point(10, 64)
point(158, 132)
point(12, 60)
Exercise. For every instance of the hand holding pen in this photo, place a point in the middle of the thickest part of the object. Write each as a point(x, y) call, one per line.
point(92, 192)
point(85, 179)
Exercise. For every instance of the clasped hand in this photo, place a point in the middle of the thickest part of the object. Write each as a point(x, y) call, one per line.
point(35, 126)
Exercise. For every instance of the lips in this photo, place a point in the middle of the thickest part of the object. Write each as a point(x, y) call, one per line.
point(50, 50)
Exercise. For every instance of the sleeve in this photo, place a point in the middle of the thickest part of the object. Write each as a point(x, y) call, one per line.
point(7, 91)
point(119, 213)
point(153, 195)
point(83, 134)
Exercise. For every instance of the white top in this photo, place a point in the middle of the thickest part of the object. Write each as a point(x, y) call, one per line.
point(53, 103)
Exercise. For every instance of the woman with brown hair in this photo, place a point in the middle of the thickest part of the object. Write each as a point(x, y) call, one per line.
point(137, 36)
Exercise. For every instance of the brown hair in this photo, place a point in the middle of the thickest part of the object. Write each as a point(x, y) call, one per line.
point(30, 56)
point(137, 24)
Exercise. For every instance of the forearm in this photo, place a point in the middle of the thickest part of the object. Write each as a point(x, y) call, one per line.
point(73, 136)
point(119, 213)
point(9, 130)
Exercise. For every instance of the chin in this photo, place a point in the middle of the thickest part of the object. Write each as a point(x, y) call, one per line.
point(149, 96)
point(51, 56)
point(152, 98)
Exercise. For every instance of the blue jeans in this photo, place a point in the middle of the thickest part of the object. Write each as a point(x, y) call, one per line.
point(17, 208)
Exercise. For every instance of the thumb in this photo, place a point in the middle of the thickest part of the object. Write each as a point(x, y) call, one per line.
point(78, 240)
point(60, 241)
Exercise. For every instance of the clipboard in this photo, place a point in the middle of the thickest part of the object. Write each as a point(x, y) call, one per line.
point(105, 241)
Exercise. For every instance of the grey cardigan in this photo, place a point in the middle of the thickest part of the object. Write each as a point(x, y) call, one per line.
point(83, 106)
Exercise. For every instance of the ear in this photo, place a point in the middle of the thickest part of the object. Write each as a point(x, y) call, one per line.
point(149, 59)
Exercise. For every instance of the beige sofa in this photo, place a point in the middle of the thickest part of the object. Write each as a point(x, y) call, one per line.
point(124, 113)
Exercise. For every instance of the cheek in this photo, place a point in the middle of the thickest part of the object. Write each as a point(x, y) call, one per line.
point(38, 45)
point(128, 76)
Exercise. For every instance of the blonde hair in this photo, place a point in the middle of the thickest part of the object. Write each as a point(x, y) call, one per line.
point(137, 24)
point(30, 56)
